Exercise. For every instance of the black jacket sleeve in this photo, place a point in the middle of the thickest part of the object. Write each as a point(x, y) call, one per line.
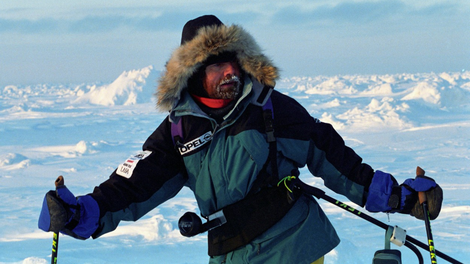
point(154, 179)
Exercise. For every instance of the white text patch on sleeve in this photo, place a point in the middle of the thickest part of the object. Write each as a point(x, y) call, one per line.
point(127, 167)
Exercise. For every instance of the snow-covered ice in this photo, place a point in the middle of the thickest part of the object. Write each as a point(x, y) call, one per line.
point(84, 131)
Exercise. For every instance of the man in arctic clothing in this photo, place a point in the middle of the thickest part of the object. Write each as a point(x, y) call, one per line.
point(230, 137)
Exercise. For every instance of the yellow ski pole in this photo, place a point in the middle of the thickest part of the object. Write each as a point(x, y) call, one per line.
point(427, 220)
point(55, 237)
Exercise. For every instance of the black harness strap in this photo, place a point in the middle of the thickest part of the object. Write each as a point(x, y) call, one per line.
point(264, 179)
point(268, 117)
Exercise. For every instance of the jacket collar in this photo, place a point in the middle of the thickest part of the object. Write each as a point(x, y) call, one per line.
point(253, 93)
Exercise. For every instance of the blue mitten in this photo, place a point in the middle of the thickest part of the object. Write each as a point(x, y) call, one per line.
point(75, 216)
point(385, 195)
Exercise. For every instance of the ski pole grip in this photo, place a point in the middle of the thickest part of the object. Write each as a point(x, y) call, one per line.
point(59, 181)
point(421, 195)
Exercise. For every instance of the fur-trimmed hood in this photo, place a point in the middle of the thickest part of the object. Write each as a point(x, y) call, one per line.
point(212, 40)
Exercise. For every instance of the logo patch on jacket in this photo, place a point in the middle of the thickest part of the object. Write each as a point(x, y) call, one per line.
point(127, 167)
point(194, 144)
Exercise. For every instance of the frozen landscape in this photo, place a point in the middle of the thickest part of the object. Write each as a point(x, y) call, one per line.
point(84, 131)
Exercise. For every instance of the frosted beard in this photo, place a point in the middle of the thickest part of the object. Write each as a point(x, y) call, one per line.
point(232, 91)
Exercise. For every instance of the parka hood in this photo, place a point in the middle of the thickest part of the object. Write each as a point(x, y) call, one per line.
point(212, 40)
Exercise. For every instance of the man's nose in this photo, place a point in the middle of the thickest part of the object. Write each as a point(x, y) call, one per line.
point(230, 69)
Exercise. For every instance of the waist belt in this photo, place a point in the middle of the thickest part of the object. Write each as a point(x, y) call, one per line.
point(249, 218)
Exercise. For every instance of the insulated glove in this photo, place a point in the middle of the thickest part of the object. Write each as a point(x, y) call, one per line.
point(385, 195)
point(74, 216)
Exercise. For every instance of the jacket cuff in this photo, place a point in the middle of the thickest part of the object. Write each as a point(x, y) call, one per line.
point(380, 191)
point(89, 216)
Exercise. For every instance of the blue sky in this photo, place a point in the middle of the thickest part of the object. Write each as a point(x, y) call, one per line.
point(86, 41)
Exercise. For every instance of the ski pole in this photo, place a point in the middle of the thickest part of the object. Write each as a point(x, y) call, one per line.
point(320, 194)
point(427, 220)
point(55, 247)
point(55, 237)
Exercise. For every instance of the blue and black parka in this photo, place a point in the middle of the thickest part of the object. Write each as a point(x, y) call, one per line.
point(219, 160)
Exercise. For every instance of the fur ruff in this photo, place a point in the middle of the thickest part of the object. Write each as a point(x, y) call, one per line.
point(213, 40)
